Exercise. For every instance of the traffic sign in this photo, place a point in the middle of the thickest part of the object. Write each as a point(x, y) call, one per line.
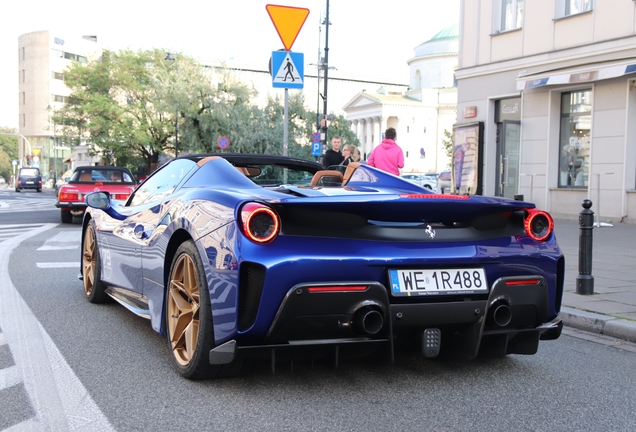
point(288, 69)
point(315, 137)
point(315, 148)
point(223, 142)
point(288, 22)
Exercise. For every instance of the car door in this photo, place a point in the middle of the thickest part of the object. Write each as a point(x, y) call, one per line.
point(151, 204)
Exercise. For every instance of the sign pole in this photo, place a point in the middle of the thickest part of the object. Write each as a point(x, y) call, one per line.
point(286, 127)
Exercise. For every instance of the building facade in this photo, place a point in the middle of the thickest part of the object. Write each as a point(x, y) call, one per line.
point(552, 82)
point(419, 115)
point(43, 57)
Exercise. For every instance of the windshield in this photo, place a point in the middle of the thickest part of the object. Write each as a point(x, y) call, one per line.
point(30, 172)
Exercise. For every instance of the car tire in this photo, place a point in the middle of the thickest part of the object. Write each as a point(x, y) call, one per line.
point(94, 288)
point(39, 190)
point(188, 318)
point(17, 190)
point(428, 187)
point(66, 216)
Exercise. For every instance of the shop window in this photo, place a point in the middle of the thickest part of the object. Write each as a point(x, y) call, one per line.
point(509, 15)
point(574, 141)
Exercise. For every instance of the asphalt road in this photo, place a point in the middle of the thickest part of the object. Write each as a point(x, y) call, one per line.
point(77, 366)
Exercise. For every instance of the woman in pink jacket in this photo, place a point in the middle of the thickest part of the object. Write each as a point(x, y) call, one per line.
point(388, 155)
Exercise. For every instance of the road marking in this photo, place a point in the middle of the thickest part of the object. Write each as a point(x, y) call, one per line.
point(62, 241)
point(58, 264)
point(57, 396)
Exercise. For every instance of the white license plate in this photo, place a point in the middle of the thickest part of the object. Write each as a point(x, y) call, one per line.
point(29, 182)
point(438, 282)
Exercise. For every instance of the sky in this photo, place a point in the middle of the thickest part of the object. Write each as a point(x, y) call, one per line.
point(367, 39)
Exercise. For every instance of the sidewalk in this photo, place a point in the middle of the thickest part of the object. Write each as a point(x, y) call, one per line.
point(611, 310)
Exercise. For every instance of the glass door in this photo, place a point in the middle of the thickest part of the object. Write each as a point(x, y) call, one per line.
point(508, 140)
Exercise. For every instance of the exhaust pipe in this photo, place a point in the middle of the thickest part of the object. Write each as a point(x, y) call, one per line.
point(499, 313)
point(367, 320)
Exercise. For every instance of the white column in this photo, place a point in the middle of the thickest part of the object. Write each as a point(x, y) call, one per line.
point(378, 129)
point(368, 144)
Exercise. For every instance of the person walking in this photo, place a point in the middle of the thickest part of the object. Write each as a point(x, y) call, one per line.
point(388, 155)
point(333, 156)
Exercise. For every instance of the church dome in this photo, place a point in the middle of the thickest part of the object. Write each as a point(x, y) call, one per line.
point(446, 41)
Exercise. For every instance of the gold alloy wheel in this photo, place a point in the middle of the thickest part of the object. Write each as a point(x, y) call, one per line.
point(88, 259)
point(183, 309)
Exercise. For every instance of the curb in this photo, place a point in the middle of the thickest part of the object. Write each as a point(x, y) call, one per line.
point(598, 323)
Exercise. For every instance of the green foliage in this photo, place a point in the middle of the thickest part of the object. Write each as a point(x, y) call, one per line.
point(130, 104)
point(447, 143)
point(8, 152)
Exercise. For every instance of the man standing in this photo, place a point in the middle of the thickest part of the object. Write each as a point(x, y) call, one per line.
point(388, 155)
point(333, 155)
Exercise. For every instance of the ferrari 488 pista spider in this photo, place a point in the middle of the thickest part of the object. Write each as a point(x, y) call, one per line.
point(235, 257)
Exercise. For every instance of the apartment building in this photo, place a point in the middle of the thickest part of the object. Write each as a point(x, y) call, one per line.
point(551, 84)
point(43, 57)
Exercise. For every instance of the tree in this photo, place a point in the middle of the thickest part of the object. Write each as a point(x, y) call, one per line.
point(447, 143)
point(8, 151)
point(117, 102)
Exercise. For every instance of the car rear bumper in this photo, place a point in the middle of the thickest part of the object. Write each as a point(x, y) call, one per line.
point(71, 206)
point(511, 318)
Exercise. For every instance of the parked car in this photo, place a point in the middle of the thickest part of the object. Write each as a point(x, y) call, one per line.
point(85, 179)
point(237, 256)
point(140, 176)
point(420, 180)
point(29, 178)
point(443, 184)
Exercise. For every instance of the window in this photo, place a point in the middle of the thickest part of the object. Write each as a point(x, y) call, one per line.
point(574, 142)
point(577, 6)
point(23, 53)
point(57, 75)
point(23, 120)
point(511, 15)
point(23, 98)
point(58, 98)
point(573, 7)
point(23, 75)
point(162, 183)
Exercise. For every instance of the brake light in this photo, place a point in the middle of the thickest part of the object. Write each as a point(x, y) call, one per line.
point(261, 224)
point(64, 196)
point(345, 288)
point(523, 282)
point(121, 197)
point(539, 224)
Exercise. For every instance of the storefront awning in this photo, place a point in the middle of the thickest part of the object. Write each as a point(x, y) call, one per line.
point(589, 73)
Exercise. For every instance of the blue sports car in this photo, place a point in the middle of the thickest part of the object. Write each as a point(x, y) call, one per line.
point(236, 257)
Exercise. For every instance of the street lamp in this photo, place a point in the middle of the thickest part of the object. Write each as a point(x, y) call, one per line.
point(173, 58)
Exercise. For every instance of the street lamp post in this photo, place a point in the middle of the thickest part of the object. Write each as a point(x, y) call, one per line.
point(173, 58)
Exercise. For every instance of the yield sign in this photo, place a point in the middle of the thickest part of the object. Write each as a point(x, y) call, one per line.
point(288, 22)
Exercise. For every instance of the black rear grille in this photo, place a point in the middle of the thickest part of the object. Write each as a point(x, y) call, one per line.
point(251, 277)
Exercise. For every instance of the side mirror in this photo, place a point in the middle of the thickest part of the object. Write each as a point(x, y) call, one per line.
point(98, 200)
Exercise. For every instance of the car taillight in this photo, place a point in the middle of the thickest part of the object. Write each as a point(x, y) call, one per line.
point(65, 196)
point(261, 224)
point(121, 197)
point(538, 224)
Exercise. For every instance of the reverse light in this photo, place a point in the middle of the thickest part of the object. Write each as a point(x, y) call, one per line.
point(261, 224)
point(538, 224)
point(65, 196)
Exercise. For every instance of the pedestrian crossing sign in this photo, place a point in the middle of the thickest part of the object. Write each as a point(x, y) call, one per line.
point(288, 69)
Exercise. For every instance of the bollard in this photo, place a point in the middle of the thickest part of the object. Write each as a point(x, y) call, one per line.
point(585, 280)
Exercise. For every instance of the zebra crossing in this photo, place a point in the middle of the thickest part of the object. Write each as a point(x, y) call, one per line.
point(39, 391)
point(13, 202)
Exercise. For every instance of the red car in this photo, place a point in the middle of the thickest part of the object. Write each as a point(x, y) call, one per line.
point(118, 181)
